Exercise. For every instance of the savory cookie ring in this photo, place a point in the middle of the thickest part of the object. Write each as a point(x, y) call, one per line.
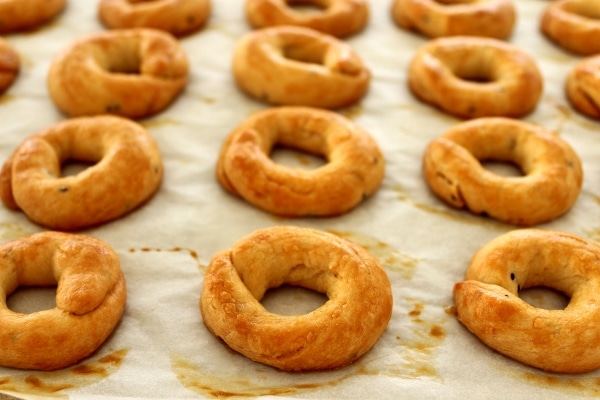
point(127, 171)
point(552, 170)
point(354, 170)
point(299, 66)
point(134, 73)
point(433, 18)
point(583, 87)
point(338, 18)
point(332, 336)
point(90, 299)
point(179, 17)
point(472, 77)
point(21, 15)
point(488, 303)
point(573, 25)
point(10, 65)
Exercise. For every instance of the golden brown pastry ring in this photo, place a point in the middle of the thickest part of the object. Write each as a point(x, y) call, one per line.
point(127, 171)
point(583, 86)
point(472, 77)
point(574, 25)
point(332, 336)
point(354, 170)
point(340, 18)
point(299, 66)
point(21, 15)
point(434, 18)
point(90, 299)
point(552, 170)
point(179, 17)
point(134, 73)
point(10, 65)
point(488, 303)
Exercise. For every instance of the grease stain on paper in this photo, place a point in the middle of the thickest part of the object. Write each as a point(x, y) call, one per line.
point(407, 354)
point(388, 256)
point(159, 122)
point(412, 358)
point(568, 384)
point(52, 383)
point(11, 231)
point(191, 252)
point(451, 213)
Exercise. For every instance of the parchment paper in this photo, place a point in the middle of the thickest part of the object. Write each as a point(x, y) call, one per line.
point(161, 348)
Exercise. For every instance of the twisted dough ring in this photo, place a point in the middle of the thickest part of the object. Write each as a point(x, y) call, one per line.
point(487, 302)
point(354, 170)
point(333, 335)
point(299, 66)
point(10, 64)
point(472, 77)
point(134, 73)
point(179, 17)
point(90, 299)
point(583, 86)
point(573, 25)
point(20, 15)
point(340, 18)
point(553, 171)
point(127, 172)
point(433, 18)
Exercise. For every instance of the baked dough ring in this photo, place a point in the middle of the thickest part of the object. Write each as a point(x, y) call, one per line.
point(21, 15)
point(488, 303)
point(340, 18)
point(10, 65)
point(435, 18)
point(90, 299)
point(134, 73)
point(332, 336)
point(552, 170)
point(574, 25)
point(354, 170)
point(448, 73)
point(583, 86)
point(179, 17)
point(128, 170)
point(299, 66)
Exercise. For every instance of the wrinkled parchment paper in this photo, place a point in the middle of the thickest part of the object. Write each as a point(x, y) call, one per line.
point(161, 348)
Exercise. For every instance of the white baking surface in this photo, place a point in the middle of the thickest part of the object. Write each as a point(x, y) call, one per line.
point(161, 349)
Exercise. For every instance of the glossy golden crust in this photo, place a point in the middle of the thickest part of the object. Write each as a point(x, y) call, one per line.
point(127, 170)
point(583, 86)
point(488, 303)
point(488, 18)
point(10, 65)
point(21, 15)
point(90, 299)
point(299, 66)
point(354, 170)
point(134, 73)
point(471, 77)
point(339, 18)
point(573, 25)
point(179, 17)
point(332, 336)
point(552, 170)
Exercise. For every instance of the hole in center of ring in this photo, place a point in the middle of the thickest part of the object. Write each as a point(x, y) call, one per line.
point(505, 169)
point(307, 6)
point(292, 158)
point(544, 297)
point(292, 300)
point(28, 300)
point(73, 167)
